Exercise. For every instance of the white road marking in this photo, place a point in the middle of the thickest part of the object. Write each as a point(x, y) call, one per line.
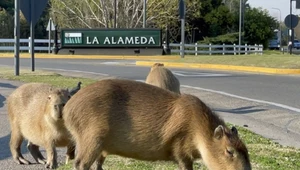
point(197, 74)
point(240, 97)
point(245, 98)
point(77, 71)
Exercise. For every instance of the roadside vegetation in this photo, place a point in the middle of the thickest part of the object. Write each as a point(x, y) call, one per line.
point(264, 153)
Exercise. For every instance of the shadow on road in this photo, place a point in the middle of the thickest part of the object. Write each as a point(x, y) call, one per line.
point(7, 85)
point(241, 110)
point(4, 147)
point(2, 99)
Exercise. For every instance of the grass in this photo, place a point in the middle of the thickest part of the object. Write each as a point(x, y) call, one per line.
point(266, 60)
point(264, 153)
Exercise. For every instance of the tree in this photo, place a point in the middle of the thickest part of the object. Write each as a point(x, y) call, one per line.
point(259, 26)
point(6, 24)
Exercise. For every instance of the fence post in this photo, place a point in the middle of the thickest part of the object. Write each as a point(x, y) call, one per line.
point(29, 45)
point(196, 48)
point(180, 49)
point(246, 49)
point(234, 48)
point(210, 49)
point(256, 49)
point(223, 49)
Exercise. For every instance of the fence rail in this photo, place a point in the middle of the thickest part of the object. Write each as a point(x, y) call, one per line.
point(216, 49)
point(42, 45)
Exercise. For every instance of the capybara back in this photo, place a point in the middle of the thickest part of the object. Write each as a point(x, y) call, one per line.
point(162, 77)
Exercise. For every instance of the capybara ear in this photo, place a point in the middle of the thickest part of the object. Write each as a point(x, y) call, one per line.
point(157, 64)
point(234, 130)
point(219, 132)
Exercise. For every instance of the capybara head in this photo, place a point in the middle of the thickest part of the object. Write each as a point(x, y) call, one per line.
point(156, 65)
point(57, 99)
point(227, 151)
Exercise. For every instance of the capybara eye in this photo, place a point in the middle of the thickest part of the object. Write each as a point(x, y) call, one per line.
point(230, 152)
point(56, 107)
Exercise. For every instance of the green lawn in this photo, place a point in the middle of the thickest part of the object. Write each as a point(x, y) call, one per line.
point(264, 154)
point(266, 60)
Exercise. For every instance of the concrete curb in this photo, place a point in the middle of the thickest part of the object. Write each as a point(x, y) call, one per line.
point(109, 57)
point(223, 67)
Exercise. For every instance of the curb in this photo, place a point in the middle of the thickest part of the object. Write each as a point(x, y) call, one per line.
point(117, 57)
point(223, 67)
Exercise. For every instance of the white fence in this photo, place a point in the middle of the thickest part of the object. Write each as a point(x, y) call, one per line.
point(210, 49)
point(42, 45)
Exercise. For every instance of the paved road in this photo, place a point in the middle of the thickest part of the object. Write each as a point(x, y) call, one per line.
point(271, 88)
point(265, 102)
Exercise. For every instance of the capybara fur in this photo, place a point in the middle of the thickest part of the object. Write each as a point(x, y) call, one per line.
point(137, 120)
point(35, 114)
point(162, 77)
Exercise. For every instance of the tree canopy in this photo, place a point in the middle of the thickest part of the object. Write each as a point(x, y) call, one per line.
point(205, 19)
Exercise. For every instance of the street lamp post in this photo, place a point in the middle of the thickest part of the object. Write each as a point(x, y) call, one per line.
point(240, 27)
point(280, 29)
point(145, 13)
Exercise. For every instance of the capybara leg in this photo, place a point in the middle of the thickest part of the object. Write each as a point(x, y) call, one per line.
point(51, 156)
point(185, 165)
point(88, 152)
point(16, 140)
point(70, 153)
point(36, 154)
point(100, 162)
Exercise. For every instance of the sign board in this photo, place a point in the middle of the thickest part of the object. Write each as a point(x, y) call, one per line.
point(35, 6)
point(181, 9)
point(103, 38)
point(297, 4)
point(291, 22)
point(50, 24)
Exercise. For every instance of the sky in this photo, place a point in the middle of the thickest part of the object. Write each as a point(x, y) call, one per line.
point(282, 5)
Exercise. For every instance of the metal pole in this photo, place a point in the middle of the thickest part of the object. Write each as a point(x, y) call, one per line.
point(115, 19)
point(17, 38)
point(182, 38)
point(240, 27)
point(50, 26)
point(145, 13)
point(32, 34)
point(291, 36)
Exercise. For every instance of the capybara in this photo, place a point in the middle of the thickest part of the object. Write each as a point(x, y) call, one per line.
point(35, 114)
point(162, 77)
point(141, 121)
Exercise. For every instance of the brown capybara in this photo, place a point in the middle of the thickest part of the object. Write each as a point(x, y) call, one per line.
point(35, 114)
point(141, 121)
point(162, 77)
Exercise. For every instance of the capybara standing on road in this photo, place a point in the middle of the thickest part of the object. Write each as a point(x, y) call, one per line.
point(141, 121)
point(162, 77)
point(35, 113)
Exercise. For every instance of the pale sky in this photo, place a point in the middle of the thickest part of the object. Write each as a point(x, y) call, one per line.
point(283, 5)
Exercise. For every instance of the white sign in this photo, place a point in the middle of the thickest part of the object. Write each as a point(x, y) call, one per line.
point(52, 25)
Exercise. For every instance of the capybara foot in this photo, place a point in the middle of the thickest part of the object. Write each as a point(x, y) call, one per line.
point(20, 160)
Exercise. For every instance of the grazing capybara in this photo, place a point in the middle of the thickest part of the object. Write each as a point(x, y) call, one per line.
point(162, 77)
point(141, 121)
point(35, 114)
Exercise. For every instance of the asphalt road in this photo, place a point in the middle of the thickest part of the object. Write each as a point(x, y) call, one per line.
point(278, 90)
